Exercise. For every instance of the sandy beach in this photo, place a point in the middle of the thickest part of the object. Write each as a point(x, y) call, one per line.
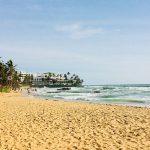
point(31, 124)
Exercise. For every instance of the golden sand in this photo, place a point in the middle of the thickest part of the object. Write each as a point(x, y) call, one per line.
point(30, 124)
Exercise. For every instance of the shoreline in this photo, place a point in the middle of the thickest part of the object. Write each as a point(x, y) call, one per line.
point(31, 123)
point(140, 105)
point(117, 95)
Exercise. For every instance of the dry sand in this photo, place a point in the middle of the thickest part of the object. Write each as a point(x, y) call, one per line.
point(27, 123)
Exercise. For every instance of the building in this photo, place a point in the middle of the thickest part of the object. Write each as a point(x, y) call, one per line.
point(48, 79)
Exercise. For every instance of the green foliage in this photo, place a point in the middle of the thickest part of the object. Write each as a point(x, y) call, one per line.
point(5, 89)
point(9, 78)
point(27, 80)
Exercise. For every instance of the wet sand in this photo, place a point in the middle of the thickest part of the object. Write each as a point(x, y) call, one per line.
point(31, 124)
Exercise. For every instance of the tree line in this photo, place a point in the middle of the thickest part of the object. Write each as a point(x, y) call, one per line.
point(9, 78)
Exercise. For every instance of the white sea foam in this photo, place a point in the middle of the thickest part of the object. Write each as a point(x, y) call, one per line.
point(130, 94)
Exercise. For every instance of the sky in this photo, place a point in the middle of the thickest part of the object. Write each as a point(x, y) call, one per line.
point(103, 41)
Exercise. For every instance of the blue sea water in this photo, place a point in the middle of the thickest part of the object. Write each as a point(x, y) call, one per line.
point(133, 95)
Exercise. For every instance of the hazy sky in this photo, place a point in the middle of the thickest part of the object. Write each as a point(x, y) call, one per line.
point(104, 41)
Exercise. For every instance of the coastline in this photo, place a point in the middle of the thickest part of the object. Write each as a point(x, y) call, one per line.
point(31, 123)
point(115, 94)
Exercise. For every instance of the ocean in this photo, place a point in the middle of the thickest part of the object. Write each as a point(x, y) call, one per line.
point(132, 95)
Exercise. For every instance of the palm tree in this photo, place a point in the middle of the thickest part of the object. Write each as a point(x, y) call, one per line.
point(15, 81)
point(8, 75)
point(68, 73)
point(3, 75)
point(49, 74)
point(78, 81)
point(11, 73)
point(65, 76)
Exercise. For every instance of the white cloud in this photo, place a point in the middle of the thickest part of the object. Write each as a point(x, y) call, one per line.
point(78, 31)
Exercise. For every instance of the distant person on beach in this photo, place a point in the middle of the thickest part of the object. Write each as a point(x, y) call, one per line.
point(28, 90)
